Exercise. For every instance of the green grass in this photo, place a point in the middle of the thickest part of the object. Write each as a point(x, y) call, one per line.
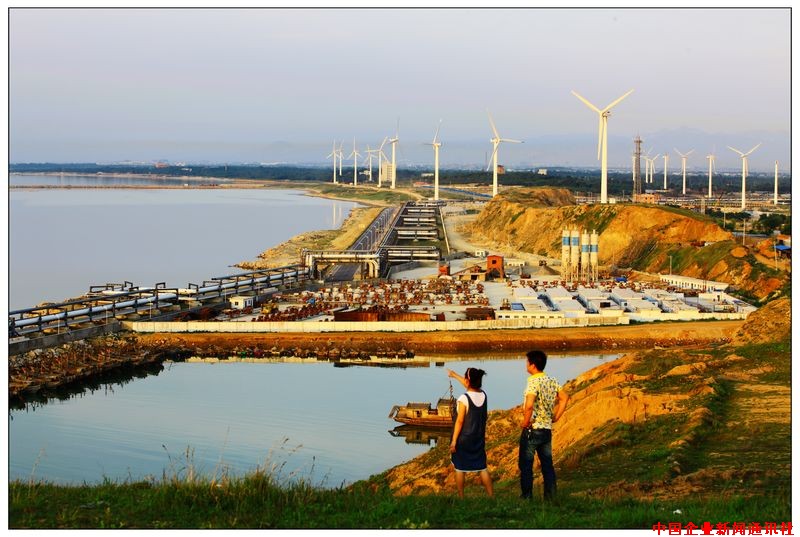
point(258, 502)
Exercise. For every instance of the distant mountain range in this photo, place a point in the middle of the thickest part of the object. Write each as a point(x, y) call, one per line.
point(537, 151)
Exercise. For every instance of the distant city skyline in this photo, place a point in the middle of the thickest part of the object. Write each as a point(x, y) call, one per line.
point(280, 85)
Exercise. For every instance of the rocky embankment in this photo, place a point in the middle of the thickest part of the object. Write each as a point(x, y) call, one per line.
point(657, 423)
point(71, 363)
point(637, 236)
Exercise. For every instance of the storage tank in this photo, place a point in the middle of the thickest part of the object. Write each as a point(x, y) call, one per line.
point(594, 262)
point(565, 254)
point(585, 255)
point(574, 253)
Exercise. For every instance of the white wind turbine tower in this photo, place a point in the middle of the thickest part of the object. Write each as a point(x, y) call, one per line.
point(333, 154)
point(341, 157)
point(602, 141)
point(381, 156)
point(711, 167)
point(744, 168)
point(496, 143)
point(653, 168)
point(683, 160)
point(647, 161)
point(394, 141)
point(436, 145)
point(633, 167)
point(369, 158)
point(775, 199)
point(355, 154)
point(666, 159)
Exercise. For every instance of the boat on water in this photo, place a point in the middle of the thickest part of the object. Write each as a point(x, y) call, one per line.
point(443, 415)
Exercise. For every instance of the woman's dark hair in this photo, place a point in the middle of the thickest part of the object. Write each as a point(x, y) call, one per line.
point(474, 376)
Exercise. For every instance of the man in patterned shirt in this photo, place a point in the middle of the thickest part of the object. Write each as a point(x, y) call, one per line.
point(545, 402)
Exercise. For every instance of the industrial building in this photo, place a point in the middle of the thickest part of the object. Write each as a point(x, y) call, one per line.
point(579, 255)
point(697, 284)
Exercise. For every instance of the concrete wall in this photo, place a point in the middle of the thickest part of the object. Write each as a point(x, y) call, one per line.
point(343, 326)
point(52, 340)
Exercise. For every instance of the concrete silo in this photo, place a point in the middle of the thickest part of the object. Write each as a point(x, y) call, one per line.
point(584, 275)
point(574, 253)
point(565, 256)
point(594, 262)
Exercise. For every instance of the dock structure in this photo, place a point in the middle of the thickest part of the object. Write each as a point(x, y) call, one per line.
point(393, 237)
point(108, 303)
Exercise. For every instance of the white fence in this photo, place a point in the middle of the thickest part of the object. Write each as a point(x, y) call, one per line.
point(381, 326)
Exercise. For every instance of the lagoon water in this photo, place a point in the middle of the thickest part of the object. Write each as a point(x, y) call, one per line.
point(312, 420)
point(62, 241)
point(305, 420)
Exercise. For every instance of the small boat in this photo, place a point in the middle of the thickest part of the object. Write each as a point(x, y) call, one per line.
point(425, 415)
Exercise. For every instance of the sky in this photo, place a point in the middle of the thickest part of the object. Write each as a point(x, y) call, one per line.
point(280, 85)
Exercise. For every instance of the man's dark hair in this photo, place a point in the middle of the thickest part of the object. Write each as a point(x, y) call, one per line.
point(475, 376)
point(537, 358)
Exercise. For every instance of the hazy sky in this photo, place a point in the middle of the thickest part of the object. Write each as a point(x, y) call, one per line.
point(280, 85)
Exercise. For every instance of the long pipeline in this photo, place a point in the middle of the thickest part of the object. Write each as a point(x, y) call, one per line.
point(92, 309)
point(147, 300)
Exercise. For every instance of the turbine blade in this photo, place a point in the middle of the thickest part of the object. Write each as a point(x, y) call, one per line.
point(756, 147)
point(736, 150)
point(435, 136)
point(512, 141)
point(587, 103)
point(690, 152)
point(616, 102)
point(491, 157)
point(491, 123)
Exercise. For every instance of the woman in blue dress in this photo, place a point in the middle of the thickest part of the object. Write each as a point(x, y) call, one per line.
point(468, 446)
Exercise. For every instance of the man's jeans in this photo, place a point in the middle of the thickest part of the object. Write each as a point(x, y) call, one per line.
point(539, 441)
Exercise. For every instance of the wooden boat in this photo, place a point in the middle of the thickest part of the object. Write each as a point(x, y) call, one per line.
point(425, 415)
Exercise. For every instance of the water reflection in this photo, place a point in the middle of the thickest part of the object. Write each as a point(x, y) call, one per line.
point(421, 435)
point(103, 382)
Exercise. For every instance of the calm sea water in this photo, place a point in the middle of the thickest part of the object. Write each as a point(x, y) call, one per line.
point(63, 241)
point(313, 421)
point(304, 420)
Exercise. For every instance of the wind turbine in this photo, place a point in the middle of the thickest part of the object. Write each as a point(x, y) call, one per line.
point(341, 157)
point(333, 154)
point(653, 168)
point(496, 143)
point(436, 145)
point(369, 158)
point(775, 199)
point(711, 167)
point(602, 141)
point(381, 156)
point(355, 154)
point(394, 141)
point(647, 161)
point(744, 167)
point(666, 159)
point(683, 160)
